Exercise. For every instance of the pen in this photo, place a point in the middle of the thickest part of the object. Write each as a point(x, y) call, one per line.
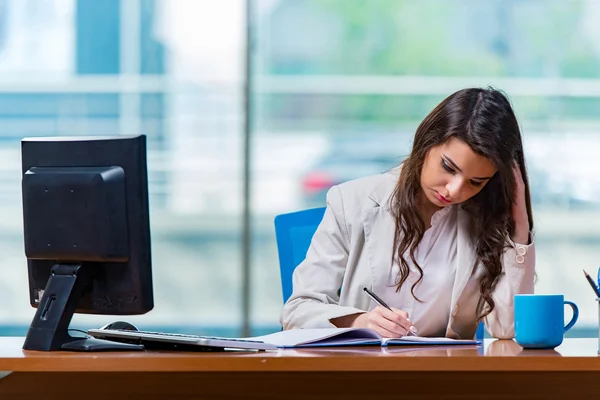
point(592, 284)
point(382, 303)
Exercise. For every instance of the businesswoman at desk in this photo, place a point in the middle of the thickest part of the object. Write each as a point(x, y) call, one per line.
point(445, 239)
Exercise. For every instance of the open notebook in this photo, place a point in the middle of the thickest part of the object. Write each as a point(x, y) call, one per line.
point(350, 337)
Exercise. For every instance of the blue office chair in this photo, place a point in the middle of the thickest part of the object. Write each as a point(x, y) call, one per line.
point(294, 232)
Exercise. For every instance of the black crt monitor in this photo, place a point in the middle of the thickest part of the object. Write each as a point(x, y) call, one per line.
point(87, 235)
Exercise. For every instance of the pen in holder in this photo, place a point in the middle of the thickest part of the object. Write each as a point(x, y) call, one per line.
point(596, 289)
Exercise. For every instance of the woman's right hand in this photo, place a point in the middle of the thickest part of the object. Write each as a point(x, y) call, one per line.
point(389, 324)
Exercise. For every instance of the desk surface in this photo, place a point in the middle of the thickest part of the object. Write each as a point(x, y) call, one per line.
point(494, 355)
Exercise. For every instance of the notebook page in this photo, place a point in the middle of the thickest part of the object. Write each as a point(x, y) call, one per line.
point(324, 336)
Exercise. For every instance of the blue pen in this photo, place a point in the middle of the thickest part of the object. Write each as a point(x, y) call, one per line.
point(598, 279)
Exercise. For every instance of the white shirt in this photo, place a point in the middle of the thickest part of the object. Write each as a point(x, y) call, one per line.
point(436, 255)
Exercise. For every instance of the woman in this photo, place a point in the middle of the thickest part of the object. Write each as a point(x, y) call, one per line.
point(444, 239)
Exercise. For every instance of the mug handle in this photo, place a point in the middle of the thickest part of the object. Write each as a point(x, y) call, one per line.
point(575, 315)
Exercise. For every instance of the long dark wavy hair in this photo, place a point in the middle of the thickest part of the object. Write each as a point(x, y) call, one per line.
point(485, 121)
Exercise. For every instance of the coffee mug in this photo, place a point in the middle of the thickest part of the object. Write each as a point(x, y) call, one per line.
point(540, 320)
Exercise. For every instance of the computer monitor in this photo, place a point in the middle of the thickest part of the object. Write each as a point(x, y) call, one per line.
point(87, 234)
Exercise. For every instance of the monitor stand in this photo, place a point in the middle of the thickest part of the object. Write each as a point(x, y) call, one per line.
point(49, 329)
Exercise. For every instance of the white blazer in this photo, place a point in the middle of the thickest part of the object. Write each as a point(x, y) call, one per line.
point(355, 241)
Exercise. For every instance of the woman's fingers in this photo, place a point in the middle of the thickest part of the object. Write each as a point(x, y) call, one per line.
point(390, 323)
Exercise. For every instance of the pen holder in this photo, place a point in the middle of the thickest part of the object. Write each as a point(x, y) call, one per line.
point(598, 301)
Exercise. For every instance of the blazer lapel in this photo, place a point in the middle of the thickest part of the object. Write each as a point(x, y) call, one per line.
point(379, 227)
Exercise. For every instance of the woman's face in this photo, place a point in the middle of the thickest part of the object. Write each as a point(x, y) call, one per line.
point(452, 173)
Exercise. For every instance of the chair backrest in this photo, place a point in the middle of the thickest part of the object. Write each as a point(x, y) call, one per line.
point(294, 232)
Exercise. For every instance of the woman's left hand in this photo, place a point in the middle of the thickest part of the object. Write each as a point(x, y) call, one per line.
point(519, 209)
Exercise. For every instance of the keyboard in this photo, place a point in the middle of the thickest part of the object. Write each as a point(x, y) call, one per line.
point(178, 341)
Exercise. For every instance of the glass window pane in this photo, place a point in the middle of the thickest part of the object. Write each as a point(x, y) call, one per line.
point(124, 67)
point(341, 85)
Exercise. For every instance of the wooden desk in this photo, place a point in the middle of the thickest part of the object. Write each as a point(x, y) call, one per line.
point(496, 370)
